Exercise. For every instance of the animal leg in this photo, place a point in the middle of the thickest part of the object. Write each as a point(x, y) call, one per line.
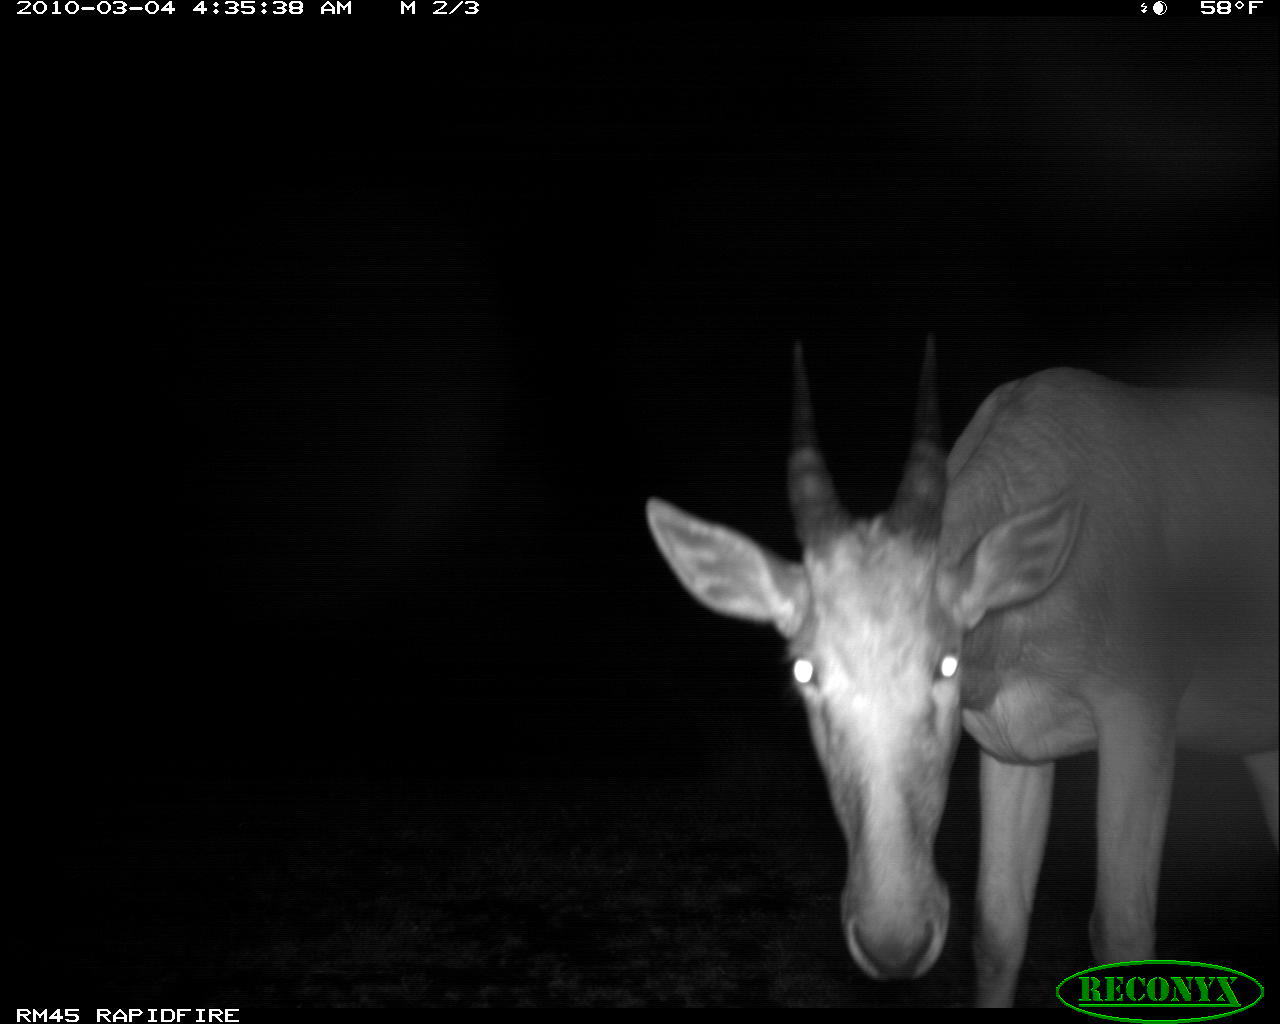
point(1016, 799)
point(1135, 779)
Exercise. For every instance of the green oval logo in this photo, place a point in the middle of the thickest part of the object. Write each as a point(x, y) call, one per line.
point(1164, 990)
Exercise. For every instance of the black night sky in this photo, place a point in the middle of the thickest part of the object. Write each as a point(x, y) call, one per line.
point(353, 594)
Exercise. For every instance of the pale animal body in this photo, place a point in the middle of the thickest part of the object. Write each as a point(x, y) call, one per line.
point(1094, 566)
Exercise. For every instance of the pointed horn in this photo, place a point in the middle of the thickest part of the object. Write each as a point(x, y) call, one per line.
point(814, 504)
point(917, 507)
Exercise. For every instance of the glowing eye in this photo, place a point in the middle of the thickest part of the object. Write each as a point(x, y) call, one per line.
point(948, 666)
point(802, 670)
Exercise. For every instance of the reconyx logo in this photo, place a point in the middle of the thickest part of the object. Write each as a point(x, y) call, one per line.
point(1164, 990)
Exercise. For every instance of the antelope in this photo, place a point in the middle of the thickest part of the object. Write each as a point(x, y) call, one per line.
point(1093, 567)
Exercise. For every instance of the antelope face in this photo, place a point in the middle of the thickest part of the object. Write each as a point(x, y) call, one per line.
point(876, 660)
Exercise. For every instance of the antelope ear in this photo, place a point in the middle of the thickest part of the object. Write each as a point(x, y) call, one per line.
point(1015, 561)
point(727, 572)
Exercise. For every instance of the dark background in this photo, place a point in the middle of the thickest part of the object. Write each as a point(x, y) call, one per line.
point(361, 372)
